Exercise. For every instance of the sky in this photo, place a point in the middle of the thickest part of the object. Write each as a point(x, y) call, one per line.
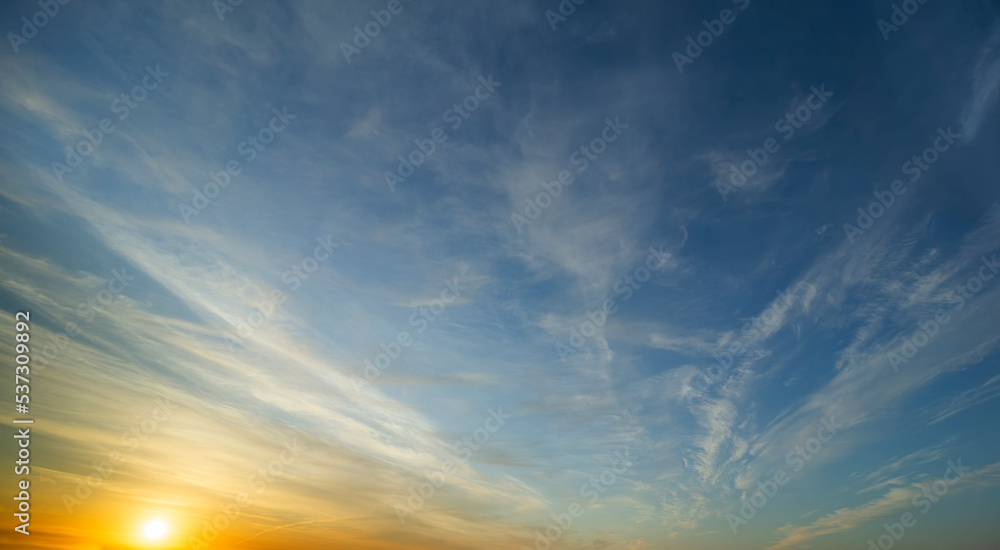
point(529, 274)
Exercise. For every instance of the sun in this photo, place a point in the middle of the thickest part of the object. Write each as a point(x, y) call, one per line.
point(155, 530)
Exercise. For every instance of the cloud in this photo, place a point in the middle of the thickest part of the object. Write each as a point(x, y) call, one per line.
point(985, 83)
point(895, 500)
point(965, 400)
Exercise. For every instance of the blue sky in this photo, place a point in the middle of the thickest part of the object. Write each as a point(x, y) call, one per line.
point(815, 315)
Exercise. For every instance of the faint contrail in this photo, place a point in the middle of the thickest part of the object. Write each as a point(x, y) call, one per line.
point(289, 525)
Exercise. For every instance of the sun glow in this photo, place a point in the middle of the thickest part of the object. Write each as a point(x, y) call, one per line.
point(155, 530)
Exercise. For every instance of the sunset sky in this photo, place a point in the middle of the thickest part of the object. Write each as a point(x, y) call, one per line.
point(693, 275)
